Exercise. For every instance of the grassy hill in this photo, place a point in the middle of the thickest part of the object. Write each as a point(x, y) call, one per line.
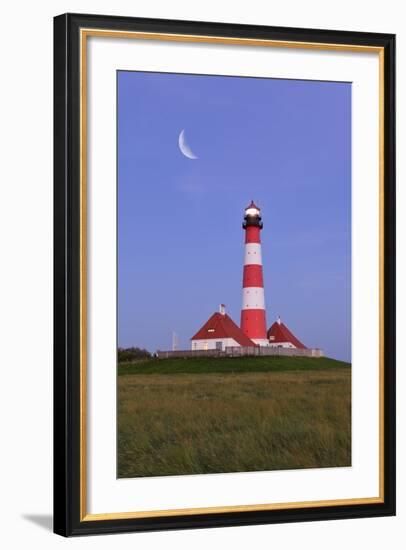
point(209, 415)
point(202, 365)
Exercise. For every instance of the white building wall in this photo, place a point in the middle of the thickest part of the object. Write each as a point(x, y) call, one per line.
point(281, 345)
point(210, 343)
point(261, 342)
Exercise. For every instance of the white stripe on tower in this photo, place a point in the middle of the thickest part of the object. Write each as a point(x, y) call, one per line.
point(253, 298)
point(252, 254)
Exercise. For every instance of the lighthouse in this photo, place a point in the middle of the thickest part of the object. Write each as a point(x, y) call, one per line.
point(253, 320)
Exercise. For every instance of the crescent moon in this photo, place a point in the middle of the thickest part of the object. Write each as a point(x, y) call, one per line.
point(184, 147)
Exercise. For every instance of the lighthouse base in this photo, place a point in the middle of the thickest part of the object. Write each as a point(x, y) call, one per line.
point(260, 341)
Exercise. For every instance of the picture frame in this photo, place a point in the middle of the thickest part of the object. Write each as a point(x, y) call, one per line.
point(73, 390)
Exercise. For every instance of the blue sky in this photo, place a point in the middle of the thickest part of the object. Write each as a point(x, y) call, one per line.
point(284, 143)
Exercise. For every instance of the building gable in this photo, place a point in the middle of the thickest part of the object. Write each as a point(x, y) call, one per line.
point(279, 334)
point(219, 326)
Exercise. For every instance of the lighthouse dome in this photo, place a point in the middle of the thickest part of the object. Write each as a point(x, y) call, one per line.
point(252, 209)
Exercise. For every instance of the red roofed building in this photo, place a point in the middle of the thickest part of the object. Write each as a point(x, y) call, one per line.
point(220, 332)
point(280, 337)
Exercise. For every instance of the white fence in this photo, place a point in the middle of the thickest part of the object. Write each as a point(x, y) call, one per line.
point(240, 351)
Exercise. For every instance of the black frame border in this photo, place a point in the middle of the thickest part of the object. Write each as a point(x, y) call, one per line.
point(67, 520)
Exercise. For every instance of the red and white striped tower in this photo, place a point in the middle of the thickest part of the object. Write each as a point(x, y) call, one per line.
point(253, 320)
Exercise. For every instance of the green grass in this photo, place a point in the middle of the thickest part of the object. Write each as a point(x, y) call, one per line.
point(232, 415)
point(201, 365)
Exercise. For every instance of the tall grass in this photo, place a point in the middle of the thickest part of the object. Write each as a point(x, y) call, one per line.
point(199, 365)
point(233, 422)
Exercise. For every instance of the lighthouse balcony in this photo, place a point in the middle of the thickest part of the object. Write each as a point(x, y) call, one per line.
point(252, 222)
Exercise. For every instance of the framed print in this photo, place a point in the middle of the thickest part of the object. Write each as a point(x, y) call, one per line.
point(224, 274)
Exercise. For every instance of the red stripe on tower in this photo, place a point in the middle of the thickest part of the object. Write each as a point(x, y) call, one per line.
point(253, 320)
